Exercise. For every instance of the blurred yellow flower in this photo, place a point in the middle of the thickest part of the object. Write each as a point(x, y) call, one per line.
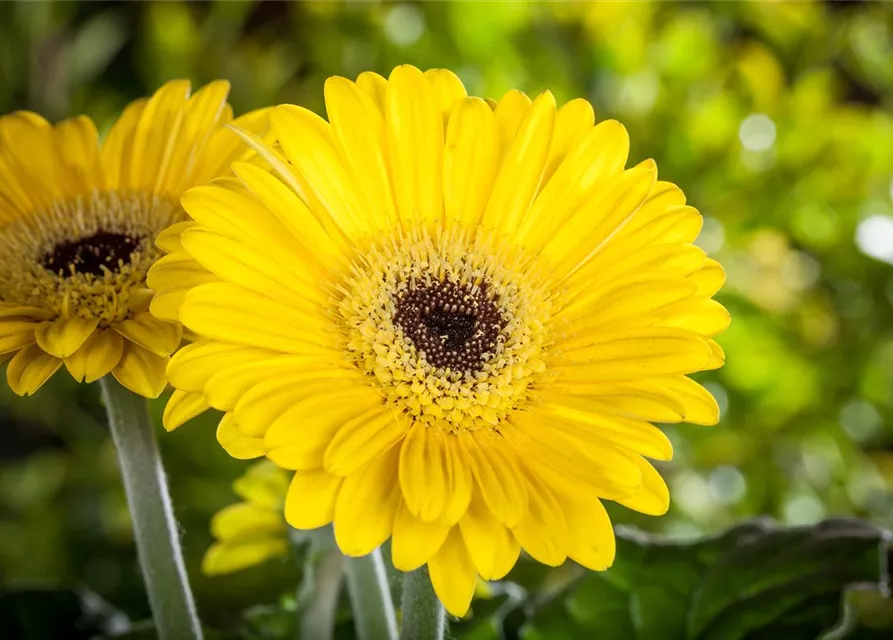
point(251, 532)
point(455, 319)
point(78, 225)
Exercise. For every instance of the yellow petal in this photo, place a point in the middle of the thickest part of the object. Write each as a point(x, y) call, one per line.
point(97, 356)
point(613, 475)
point(269, 399)
point(374, 86)
point(573, 122)
point(425, 472)
point(160, 337)
point(700, 405)
point(243, 521)
point(448, 89)
point(298, 438)
point(232, 381)
point(653, 224)
point(310, 502)
point(155, 135)
point(367, 505)
point(453, 574)
point(230, 313)
point(193, 365)
point(226, 146)
point(573, 419)
point(717, 357)
point(710, 278)
point(29, 369)
point(78, 143)
point(645, 400)
point(643, 300)
point(15, 334)
point(141, 371)
point(236, 443)
point(509, 112)
point(234, 262)
point(703, 315)
point(61, 338)
point(203, 115)
point(359, 128)
point(309, 144)
point(172, 277)
point(415, 144)
point(21, 313)
point(414, 542)
point(182, 407)
point(227, 208)
point(319, 249)
point(29, 142)
point(580, 240)
point(623, 260)
point(264, 485)
point(496, 470)
point(522, 167)
point(491, 544)
point(365, 437)
point(226, 558)
point(636, 353)
point(117, 151)
point(593, 163)
point(470, 160)
point(590, 537)
point(169, 239)
point(461, 481)
point(543, 531)
point(653, 498)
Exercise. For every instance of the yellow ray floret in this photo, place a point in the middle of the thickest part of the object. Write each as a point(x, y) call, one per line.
point(78, 225)
point(253, 531)
point(455, 319)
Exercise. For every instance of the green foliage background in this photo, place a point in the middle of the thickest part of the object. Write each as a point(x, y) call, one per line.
point(775, 118)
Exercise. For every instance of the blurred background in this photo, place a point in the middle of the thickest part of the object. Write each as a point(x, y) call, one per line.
point(775, 118)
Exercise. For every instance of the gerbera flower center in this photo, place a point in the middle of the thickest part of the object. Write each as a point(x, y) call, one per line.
point(449, 328)
point(452, 325)
point(103, 251)
point(87, 256)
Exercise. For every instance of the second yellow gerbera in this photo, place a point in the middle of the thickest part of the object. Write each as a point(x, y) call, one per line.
point(454, 319)
point(78, 226)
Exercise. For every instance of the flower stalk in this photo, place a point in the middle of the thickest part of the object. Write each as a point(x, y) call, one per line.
point(423, 614)
point(321, 583)
point(370, 597)
point(154, 527)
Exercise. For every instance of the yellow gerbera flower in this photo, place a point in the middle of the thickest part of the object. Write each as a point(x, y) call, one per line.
point(454, 319)
point(251, 532)
point(78, 225)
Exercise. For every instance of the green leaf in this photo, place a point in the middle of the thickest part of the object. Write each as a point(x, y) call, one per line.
point(758, 583)
point(754, 582)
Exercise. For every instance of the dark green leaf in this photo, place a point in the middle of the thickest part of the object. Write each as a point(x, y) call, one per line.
point(754, 582)
point(759, 581)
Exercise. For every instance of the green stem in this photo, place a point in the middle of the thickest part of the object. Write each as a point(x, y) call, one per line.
point(423, 615)
point(370, 597)
point(321, 583)
point(154, 527)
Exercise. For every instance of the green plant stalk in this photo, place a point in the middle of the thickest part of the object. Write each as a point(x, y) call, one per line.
point(321, 583)
point(370, 597)
point(154, 527)
point(423, 614)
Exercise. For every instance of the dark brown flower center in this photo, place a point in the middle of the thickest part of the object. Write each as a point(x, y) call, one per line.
point(454, 326)
point(101, 251)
